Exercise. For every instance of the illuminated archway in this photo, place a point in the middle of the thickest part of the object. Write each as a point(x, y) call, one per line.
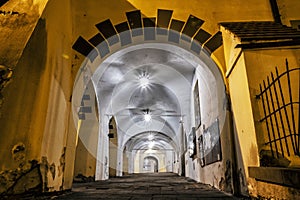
point(149, 61)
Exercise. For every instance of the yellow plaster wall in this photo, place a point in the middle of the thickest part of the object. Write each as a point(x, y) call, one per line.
point(88, 134)
point(89, 13)
point(289, 10)
point(243, 117)
point(272, 191)
point(16, 29)
point(260, 64)
point(36, 107)
point(210, 11)
point(245, 70)
point(71, 143)
point(85, 162)
point(59, 29)
point(22, 113)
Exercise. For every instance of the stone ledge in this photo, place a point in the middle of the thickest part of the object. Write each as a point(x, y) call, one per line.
point(282, 176)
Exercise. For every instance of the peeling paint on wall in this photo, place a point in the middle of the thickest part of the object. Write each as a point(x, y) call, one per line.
point(5, 77)
point(21, 180)
point(25, 178)
point(44, 172)
point(61, 167)
point(18, 153)
point(62, 160)
point(225, 184)
point(52, 170)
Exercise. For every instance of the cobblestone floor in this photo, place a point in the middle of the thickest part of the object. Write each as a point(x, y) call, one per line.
point(164, 186)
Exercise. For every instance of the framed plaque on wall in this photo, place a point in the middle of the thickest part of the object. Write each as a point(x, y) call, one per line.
point(210, 145)
point(197, 106)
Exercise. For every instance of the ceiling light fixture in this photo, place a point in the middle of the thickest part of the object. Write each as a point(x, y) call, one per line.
point(144, 80)
point(147, 117)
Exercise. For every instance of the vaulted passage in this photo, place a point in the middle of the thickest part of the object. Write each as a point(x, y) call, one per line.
point(164, 186)
point(129, 99)
point(146, 97)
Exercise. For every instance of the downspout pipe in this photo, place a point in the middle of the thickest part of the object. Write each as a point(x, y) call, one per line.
point(275, 11)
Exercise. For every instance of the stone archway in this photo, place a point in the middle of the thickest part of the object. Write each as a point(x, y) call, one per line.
point(126, 40)
point(150, 164)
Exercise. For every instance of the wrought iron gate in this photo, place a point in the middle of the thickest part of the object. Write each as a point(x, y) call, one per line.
point(280, 98)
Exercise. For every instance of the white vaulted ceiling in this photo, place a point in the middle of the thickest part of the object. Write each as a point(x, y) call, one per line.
point(156, 79)
point(166, 96)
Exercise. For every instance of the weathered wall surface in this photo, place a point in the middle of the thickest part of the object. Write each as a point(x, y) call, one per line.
point(22, 114)
point(242, 116)
point(35, 110)
point(85, 163)
point(215, 112)
point(59, 73)
point(17, 19)
point(219, 174)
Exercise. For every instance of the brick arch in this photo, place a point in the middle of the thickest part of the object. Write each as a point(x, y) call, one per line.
point(110, 38)
point(187, 34)
point(135, 32)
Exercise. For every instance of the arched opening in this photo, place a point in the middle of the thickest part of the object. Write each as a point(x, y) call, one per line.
point(153, 144)
point(150, 164)
point(113, 147)
point(150, 87)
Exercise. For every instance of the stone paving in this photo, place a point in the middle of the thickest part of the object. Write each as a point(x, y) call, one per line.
point(164, 186)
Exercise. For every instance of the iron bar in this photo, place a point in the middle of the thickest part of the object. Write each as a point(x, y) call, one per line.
point(291, 100)
point(275, 118)
point(298, 135)
point(277, 110)
point(280, 116)
point(291, 135)
point(274, 112)
point(265, 112)
point(271, 121)
point(298, 152)
point(277, 78)
point(285, 110)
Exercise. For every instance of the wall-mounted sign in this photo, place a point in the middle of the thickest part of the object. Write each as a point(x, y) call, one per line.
point(210, 145)
point(197, 106)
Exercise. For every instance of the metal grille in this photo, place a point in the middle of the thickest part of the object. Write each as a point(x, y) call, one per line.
point(280, 97)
